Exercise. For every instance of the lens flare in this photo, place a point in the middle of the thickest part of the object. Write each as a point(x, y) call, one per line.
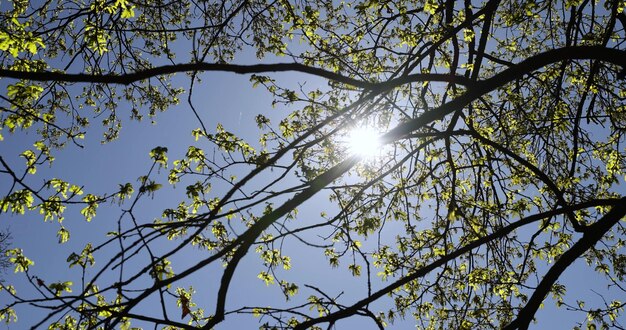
point(363, 141)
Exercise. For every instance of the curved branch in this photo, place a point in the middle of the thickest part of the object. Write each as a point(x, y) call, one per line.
point(591, 236)
point(421, 272)
point(249, 237)
point(539, 173)
point(615, 56)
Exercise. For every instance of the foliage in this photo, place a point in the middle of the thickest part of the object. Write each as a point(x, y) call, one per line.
point(502, 126)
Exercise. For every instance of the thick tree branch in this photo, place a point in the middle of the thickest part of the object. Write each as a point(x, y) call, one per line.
point(558, 193)
point(421, 272)
point(479, 88)
point(249, 237)
point(614, 56)
point(129, 78)
point(591, 236)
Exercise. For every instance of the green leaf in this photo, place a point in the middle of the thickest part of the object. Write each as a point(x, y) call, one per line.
point(63, 235)
point(60, 287)
point(17, 258)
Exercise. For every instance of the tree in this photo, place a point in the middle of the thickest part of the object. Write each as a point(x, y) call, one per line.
point(501, 153)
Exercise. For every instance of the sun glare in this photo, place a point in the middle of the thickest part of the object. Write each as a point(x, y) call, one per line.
point(364, 142)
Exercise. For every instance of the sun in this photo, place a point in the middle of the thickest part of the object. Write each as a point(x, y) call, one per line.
point(364, 142)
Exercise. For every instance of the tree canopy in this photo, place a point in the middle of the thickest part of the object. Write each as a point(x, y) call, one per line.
point(494, 173)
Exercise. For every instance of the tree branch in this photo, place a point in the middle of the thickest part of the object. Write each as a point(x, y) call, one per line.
point(344, 313)
point(129, 78)
point(479, 88)
point(591, 236)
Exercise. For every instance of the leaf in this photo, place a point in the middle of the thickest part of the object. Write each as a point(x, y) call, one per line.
point(63, 235)
point(266, 277)
point(128, 12)
point(60, 287)
point(159, 155)
point(89, 211)
point(17, 258)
